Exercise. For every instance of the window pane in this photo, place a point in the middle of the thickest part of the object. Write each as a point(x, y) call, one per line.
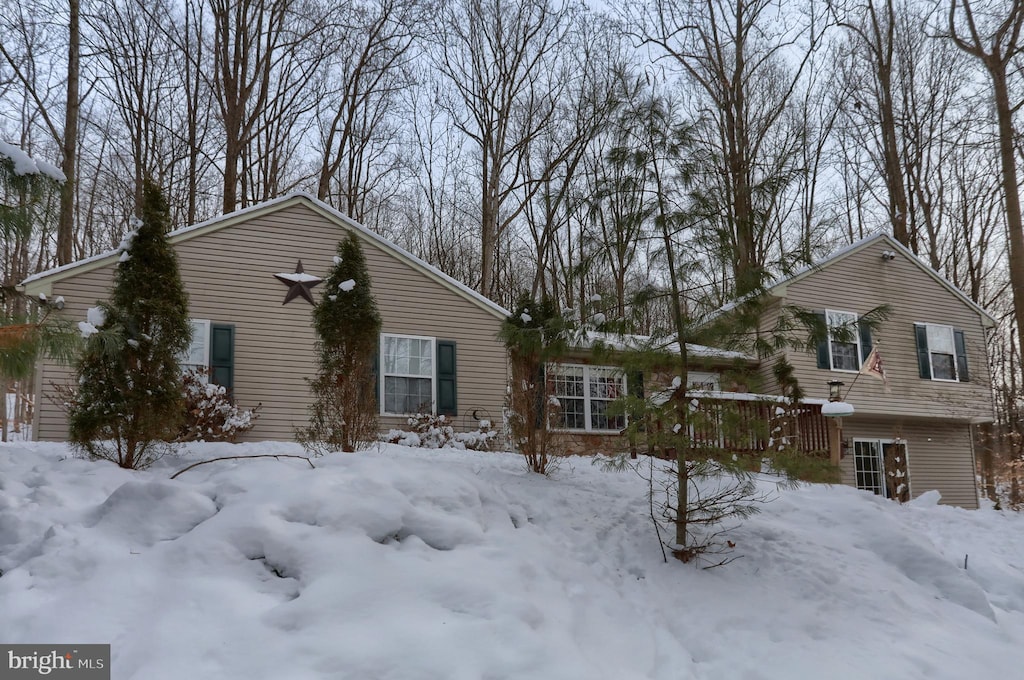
point(196, 356)
point(408, 356)
point(843, 340)
point(568, 381)
point(844, 356)
point(407, 395)
point(943, 366)
point(571, 415)
point(605, 384)
point(600, 420)
point(940, 339)
point(396, 355)
point(842, 320)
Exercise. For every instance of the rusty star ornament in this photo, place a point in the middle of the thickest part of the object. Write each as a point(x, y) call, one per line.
point(299, 284)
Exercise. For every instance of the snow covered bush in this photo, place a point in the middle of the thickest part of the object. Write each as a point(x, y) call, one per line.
point(435, 432)
point(210, 416)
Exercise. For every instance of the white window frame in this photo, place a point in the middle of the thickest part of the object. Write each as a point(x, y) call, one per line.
point(382, 375)
point(551, 370)
point(856, 339)
point(186, 365)
point(879, 443)
point(699, 380)
point(952, 341)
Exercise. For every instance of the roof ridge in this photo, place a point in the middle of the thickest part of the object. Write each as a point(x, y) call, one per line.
point(182, 233)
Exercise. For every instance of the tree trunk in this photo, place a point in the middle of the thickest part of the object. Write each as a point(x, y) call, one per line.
point(65, 224)
point(1011, 192)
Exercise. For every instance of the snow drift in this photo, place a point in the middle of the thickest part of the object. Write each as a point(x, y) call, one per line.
point(403, 563)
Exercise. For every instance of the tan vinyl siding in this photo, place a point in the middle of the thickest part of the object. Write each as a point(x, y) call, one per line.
point(767, 383)
point(229, 274)
point(938, 455)
point(863, 280)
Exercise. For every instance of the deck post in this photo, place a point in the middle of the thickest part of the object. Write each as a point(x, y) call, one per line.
point(835, 440)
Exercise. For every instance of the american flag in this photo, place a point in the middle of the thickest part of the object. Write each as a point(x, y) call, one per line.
point(874, 367)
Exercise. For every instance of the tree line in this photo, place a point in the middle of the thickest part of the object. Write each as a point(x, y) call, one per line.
point(539, 145)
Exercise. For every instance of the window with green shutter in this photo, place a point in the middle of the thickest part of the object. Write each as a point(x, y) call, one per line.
point(848, 343)
point(941, 352)
point(416, 374)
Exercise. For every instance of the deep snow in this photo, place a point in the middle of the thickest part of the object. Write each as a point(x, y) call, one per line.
point(408, 563)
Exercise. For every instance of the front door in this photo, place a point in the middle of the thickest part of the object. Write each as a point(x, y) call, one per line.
point(880, 466)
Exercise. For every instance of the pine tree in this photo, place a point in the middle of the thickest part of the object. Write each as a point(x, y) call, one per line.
point(129, 402)
point(343, 415)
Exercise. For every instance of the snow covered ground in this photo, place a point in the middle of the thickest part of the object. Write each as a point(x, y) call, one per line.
point(407, 564)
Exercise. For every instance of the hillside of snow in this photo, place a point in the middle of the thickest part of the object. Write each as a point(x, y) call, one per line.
point(406, 564)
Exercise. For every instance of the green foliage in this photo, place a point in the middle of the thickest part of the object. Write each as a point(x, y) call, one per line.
point(129, 401)
point(24, 338)
point(343, 415)
point(709, 448)
point(28, 329)
point(25, 199)
point(534, 334)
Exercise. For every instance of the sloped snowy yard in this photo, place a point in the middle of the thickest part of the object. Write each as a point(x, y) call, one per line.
point(404, 563)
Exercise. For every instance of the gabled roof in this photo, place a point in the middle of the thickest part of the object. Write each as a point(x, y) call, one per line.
point(38, 282)
point(778, 287)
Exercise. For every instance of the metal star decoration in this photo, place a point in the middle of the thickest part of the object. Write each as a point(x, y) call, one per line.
point(299, 284)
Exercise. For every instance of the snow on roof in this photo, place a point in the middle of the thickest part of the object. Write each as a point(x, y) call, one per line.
point(629, 341)
point(194, 230)
point(855, 247)
point(26, 165)
point(662, 396)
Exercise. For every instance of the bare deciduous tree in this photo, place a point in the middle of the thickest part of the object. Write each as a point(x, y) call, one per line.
point(995, 40)
point(359, 130)
point(261, 72)
point(737, 54)
point(497, 56)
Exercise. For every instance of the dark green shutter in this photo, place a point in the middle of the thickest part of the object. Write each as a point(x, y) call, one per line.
point(376, 378)
point(961, 356)
point(923, 364)
point(447, 396)
point(635, 384)
point(222, 355)
point(823, 361)
point(865, 340)
point(541, 395)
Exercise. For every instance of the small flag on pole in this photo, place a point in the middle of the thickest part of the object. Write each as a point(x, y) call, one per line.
point(874, 367)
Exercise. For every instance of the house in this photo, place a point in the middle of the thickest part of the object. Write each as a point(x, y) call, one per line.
point(913, 432)
point(584, 384)
point(907, 435)
point(251, 276)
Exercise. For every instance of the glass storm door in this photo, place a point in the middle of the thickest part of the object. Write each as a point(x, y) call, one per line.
point(867, 463)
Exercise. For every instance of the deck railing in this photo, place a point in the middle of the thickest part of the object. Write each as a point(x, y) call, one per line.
point(745, 424)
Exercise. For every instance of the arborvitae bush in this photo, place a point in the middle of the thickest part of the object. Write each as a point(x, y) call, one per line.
point(129, 400)
point(343, 416)
point(534, 334)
